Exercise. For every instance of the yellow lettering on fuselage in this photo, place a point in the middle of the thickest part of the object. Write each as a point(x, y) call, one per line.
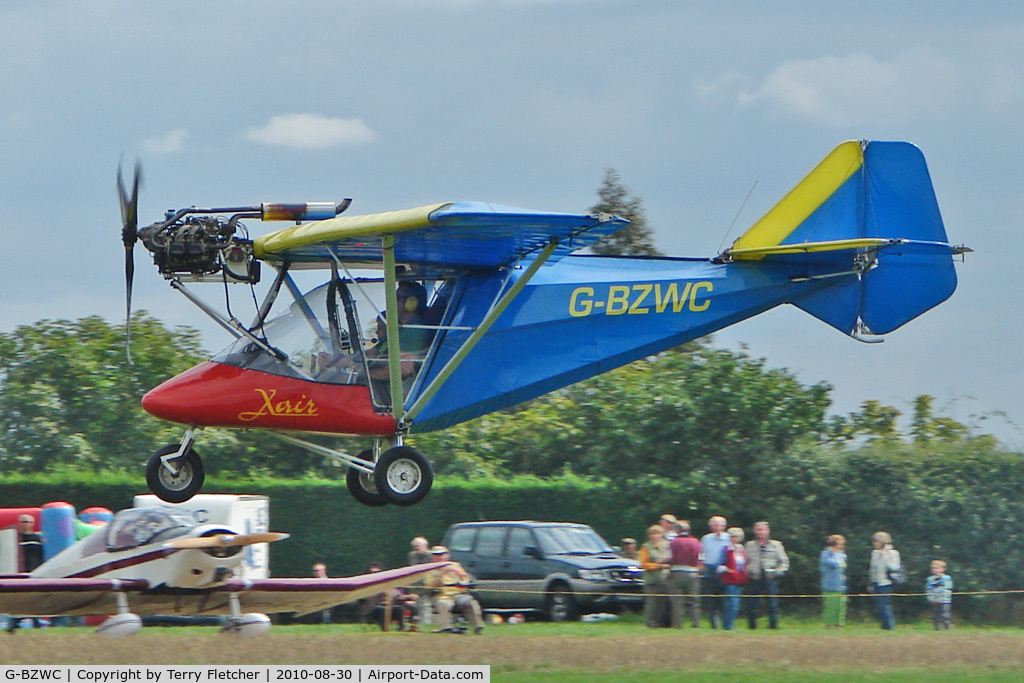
point(618, 300)
point(629, 299)
point(671, 294)
point(578, 308)
point(644, 290)
point(301, 408)
point(694, 306)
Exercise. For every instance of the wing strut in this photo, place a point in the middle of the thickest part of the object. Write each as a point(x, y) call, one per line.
point(485, 325)
point(394, 343)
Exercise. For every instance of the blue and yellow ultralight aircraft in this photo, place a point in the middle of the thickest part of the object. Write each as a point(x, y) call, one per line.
point(494, 305)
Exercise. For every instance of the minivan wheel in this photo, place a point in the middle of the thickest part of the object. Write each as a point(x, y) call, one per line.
point(560, 604)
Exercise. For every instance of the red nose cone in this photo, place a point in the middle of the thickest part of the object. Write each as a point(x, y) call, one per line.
point(217, 395)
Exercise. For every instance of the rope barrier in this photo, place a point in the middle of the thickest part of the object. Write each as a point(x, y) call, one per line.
point(781, 596)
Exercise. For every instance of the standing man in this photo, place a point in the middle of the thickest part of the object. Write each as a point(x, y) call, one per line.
point(684, 575)
point(320, 572)
point(420, 554)
point(713, 546)
point(668, 526)
point(30, 543)
point(30, 547)
point(767, 562)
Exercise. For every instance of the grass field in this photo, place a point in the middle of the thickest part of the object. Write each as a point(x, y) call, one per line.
point(594, 653)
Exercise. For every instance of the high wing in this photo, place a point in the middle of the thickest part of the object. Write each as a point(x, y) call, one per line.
point(470, 235)
point(52, 597)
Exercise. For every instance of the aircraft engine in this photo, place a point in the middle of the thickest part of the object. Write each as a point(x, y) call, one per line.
point(198, 246)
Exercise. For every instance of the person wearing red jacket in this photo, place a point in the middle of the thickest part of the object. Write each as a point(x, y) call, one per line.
point(733, 573)
point(683, 581)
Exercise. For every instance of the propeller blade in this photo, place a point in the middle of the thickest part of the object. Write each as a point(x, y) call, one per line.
point(129, 235)
point(227, 540)
point(129, 206)
point(264, 537)
point(129, 277)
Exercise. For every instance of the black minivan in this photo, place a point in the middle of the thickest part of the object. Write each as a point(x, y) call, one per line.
point(558, 568)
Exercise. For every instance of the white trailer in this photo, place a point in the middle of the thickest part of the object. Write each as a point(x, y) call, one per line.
point(246, 514)
point(8, 551)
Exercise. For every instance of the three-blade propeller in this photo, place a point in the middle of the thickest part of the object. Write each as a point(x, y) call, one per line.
point(129, 235)
point(227, 540)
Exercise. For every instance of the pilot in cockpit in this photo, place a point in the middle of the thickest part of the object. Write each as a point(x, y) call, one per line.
point(413, 340)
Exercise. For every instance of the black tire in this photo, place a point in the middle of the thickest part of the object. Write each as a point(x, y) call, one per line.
point(180, 487)
point(361, 485)
point(403, 475)
point(559, 604)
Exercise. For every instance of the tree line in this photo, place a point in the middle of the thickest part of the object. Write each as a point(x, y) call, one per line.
point(70, 398)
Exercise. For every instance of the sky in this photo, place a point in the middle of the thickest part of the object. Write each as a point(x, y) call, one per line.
point(401, 103)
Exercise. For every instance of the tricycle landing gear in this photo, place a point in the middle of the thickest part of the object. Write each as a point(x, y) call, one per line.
point(178, 478)
point(403, 475)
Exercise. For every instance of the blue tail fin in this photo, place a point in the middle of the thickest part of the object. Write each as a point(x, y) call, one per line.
point(866, 224)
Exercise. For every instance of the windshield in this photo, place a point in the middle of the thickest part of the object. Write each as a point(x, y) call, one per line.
point(142, 526)
point(316, 328)
point(571, 540)
point(335, 334)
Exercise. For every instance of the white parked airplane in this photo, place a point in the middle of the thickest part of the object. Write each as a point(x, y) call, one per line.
point(163, 561)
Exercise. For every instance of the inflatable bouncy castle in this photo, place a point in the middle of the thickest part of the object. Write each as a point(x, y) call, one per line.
point(58, 523)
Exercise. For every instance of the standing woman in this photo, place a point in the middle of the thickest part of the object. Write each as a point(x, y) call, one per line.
point(832, 565)
point(884, 559)
point(733, 572)
point(654, 560)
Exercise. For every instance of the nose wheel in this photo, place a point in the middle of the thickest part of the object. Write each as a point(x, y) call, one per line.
point(403, 476)
point(175, 480)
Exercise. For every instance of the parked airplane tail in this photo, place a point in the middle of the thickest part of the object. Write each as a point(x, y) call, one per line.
point(864, 224)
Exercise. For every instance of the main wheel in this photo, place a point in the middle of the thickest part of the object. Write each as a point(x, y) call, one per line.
point(403, 476)
point(175, 488)
point(361, 486)
point(559, 605)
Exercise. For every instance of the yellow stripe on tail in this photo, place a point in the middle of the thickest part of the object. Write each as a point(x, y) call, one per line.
point(803, 200)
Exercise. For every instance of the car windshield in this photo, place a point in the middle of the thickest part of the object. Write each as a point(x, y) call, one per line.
point(571, 540)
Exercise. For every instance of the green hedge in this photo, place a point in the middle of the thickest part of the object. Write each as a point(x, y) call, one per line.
point(327, 525)
point(958, 504)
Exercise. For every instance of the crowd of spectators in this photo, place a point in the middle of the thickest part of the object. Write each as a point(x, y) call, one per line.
point(719, 573)
point(717, 576)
